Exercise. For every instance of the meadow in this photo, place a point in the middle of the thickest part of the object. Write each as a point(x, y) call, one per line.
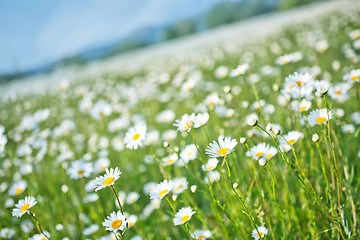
point(283, 112)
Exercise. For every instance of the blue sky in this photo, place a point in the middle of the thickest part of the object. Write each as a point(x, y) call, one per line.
point(33, 33)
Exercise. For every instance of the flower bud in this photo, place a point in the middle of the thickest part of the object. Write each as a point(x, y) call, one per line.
point(252, 122)
point(262, 162)
point(315, 137)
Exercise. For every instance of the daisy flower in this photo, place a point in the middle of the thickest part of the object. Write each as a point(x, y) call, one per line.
point(100, 110)
point(239, 70)
point(107, 180)
point(201, 119)
point(222, 148)
point(91, 229)
point(290, 138)
point(179, 185)
point(171, 159)
point(165, 116)
point(319, 116)
point(132, 219)
point(7, 233)
point(260, 233)
point(285, 59)
point(79, 169)
point(132, 197)
point(302, 107)
point(214, 176)
point(183, 215)
point(321, 46)
point(3, 141)
point(271, 152)
point(135, 136)
point(161, 189)
point(187, 154)
point(115, 222)
point(258, 151)
point(41, 236)
point(23, 206)
point(210, 165)
point(18, 188)
point(353, 76)
point(348, 128)
point(201, 234)
point(299, 79)
point(186, 122)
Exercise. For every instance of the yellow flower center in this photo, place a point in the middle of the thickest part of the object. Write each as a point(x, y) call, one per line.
point(188, 125)
point(185, 218)
point(136, 136)
point(201, 237)
point(223, 151)
point(260, 234)
point(80, 172)
point(284, 61)
point(116, 223)
point(269, 155)
point(101, 114)
point(259, 154)
point(299, 83)
point(292, 141)
point(131, 224)
point(321, 120)
point(18, 191)
point(211, 103)
point(108, 181)
point(354, 78)
point(302, 108)
point(211, 168)
point(163, 192)
point(25, 207)
point(170, 161)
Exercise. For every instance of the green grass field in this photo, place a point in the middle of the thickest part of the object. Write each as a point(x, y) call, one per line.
point(306, 190)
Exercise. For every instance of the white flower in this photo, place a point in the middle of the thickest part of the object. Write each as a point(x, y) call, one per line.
point(3, 141)
point(299, 79)
point(91, 229)
point(107, 180)
point(239, 70)
point(353, 76)
point(214, 176)
point(171, 159)
point(115, 222)
point(132, 197)
point(186, 122)
point(290, 138)
point(201, 119)
point(187, 154)
point(23, 206)
point(135, 136)
point(263, 231)
point(319, 116)
point(179, 185)
point(79, 169)
point(201, 234)
point(40, 236)
point(100, 110)
point(161, 189)
point(18, 188)
point(222, 148)
point(210, 165)
point(183, 215)
point(258, 151)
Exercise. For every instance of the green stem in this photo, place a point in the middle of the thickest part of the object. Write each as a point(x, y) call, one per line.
point(240, 198)
point(38, 225)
